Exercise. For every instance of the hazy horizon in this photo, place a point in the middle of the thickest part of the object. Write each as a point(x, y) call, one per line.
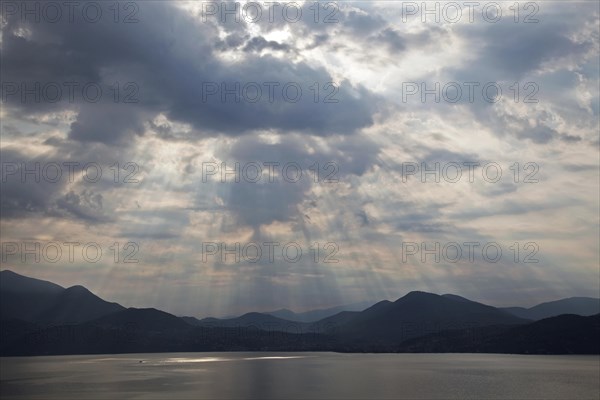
point(368, 302)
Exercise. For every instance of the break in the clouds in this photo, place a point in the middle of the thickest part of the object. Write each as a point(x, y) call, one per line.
point(175, 128)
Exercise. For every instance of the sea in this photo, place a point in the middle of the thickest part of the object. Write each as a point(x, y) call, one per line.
point(267, 375)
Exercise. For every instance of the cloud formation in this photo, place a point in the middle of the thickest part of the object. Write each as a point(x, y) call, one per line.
point(178, 109)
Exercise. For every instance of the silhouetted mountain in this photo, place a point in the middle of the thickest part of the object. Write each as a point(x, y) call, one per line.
point(417, 322)
point(252, 320)
point(584, 306)
point(270, 323)
point(284, 313)
point(192, 321)
point(25, 298)
point(44, 302)
point(77, 304)
point(332, 324)
point(12, 282)
point(420, 313)
point(564, 334)
point(316, 315)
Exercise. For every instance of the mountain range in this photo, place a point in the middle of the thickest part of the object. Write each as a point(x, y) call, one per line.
point(39, 317)
point(573, 305)
point(316, 315)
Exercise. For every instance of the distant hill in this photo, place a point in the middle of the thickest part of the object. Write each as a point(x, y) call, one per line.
point(250, 320)
point(333, 324)
point(271, 323)
point(421, 313)
point(39, 301)
point(584, 306)
point(319, 314)
point(192, 321)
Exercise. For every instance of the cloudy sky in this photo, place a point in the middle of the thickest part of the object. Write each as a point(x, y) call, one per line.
point(182, 139)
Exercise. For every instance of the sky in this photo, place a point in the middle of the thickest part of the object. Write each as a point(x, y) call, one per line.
point(211, 159)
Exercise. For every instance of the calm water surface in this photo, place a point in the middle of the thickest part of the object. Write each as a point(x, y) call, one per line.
point(300, 376)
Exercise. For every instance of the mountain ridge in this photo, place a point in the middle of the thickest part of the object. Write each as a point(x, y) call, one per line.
point(35, 300)
point(76, 321)
point(584, 306)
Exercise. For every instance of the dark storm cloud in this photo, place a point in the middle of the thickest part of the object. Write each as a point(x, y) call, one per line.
point(21, 196)
point(350, 112)
point(353, 23)
point(433, 155)
point(232, 41)
point(170, 57)
point(86, 206)
point(545, 60)
point(570, 138)
point(258, 204)
point(398, 41)
point(520, 51)
point(507, 51)
point(393, 39)
point(361, 23)
point(32, 186)
point(318, 40)
point(257, 44)
point(354, 155)
point(264, 202)
point(539, 134)
point(69, 179)
point(107, 123)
